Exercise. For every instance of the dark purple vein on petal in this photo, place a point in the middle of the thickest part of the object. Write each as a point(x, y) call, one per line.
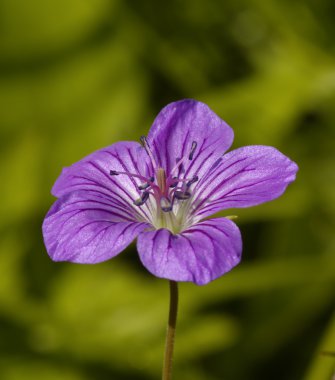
point(221, 203)
point(200, 162)
point(110, 178)
point(190, 270)
point(247, 186)
point(197, 230)
point(228, 197)
point(153, 239)
point(157, 155)
point(60, 228)
point(128, 226)
point(108, 202)
point(104, 231)
point(146, 205)
point(74, 237)
point(126, 169)
point(99, 185)
point(115, 183)
point(201, 184)
point(215, 228)
point(183, 149)
point(216, 188)
point(196, 157)
point(85, 204)
point(166, 148)
point(203, 258)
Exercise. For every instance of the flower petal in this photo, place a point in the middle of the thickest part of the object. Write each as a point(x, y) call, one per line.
point(93, 173)
point(84, 227)
point(199, 254)
point(242, 178)
point(181, 123)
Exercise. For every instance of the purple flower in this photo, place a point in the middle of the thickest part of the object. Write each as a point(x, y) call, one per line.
point(160, 191)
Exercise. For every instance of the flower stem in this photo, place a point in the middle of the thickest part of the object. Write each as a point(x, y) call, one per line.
point(171, 330)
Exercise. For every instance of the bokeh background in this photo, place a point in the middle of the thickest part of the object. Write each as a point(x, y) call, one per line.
point(78, 75)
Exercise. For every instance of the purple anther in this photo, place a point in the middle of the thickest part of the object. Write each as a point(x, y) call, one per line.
point(193, 148)
point(140, 201)
point(166, 205)
point(145, 185)
point(175, 182)
point(191, 181)
point(182, 195)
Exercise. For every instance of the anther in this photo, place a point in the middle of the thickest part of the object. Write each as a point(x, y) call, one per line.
point(175, 182)
point(193, 148)
point(144, 141)
point(113, 172)
point(166, 205)
point(140, 201)
point(191, 181)
point(182, 195)
point(145, 185)
point(146, 146)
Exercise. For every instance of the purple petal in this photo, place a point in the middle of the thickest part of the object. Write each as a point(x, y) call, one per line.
point(199, 254)
point(84, 227)
point(93, 173)
point(181, 123)
point(244, 177)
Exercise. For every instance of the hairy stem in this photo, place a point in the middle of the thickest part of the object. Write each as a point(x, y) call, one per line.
point(171, 330)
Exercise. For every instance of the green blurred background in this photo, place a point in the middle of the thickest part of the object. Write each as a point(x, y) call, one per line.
point(78, 75)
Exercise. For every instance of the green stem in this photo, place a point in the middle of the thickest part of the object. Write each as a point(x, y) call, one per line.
point(171, 331)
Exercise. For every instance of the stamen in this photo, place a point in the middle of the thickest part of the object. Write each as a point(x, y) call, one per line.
point(191, 181)
point(193, 148)
point(114, 172)
point(144, 142)
point(146, 146)
point(145, 185)
point(140, 201)
point(182, 195)
point(174, 182)
point(164, 189)
point(190, 157)
point(166, 205)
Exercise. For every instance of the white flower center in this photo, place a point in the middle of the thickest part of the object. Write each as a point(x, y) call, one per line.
point(168, 197)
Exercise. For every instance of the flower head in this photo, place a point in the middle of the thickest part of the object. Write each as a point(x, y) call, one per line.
point(160, 191)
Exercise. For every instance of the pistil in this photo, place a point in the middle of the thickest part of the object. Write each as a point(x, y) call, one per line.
point(161, 180)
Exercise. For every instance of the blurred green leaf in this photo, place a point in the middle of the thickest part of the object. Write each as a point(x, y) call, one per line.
point(323, 365)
